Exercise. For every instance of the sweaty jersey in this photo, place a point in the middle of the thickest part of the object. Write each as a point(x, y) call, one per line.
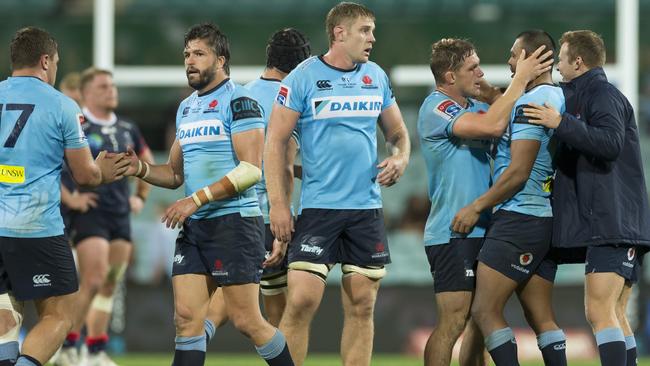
point(205, 124)
point(458, 169)
point(534, 198)
point(264, 91)
point(37, 123)
point(338, 131)
point(114, 135)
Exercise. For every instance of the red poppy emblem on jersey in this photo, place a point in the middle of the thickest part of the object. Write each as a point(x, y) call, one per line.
point(366, 80)
point(213, 103)
point(218, 265)
point(525, 259)
point(380, 247)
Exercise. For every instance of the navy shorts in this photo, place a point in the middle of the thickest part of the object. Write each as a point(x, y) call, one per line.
point(453, 265)
point(516, 244)
point(620, 259)
point(229, 248)
point(37, 268)
point(326, 236)
point(101, 224)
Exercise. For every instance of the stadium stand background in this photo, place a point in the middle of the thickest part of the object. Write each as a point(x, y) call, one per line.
point(150, 32)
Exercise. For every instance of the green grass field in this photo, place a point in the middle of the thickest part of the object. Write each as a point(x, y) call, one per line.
point(314, 360)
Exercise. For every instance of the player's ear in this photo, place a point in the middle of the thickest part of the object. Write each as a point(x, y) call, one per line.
point(221, 61)
point(578, 62)
point(339, 32)
point(450, 78)
point(45, 62)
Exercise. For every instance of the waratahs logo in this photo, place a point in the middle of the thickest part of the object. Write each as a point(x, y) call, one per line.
point(347, 106)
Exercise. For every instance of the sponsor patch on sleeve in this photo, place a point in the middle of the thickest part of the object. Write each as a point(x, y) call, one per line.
point(245, 107)
point(519, 115)
point(447, 109)
point(283, 95)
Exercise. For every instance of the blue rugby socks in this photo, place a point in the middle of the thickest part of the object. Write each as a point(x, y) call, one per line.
point(611, 346)
point(25, 360)
point(630, 346)
point(553, 347)
point(209, 328)
point(190, 351)
point(502, 347)
point(8, 353)
point(276, 351)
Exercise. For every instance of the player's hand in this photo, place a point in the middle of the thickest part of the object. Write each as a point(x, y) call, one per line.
point(488, 92)
point(529, 68)
point(134, 162)
point(465, 219)
point(392, 169)
point(82, 201)
point(281, 222)
point(544, 115)
point(112, 165)
point(136, 203)
point(277, 254)
point(176, 214)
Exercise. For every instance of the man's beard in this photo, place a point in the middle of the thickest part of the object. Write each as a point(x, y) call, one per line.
point(205, 78)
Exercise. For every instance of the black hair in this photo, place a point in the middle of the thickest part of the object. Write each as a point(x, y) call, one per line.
point(214, 38)
point(535, 38)
point(286, 49)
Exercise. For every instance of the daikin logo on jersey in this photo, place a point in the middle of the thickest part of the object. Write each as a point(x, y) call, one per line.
point(201, 131)
point(347, 106)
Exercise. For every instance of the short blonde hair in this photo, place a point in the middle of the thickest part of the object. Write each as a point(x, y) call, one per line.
point(89, 74)
point(343, 12)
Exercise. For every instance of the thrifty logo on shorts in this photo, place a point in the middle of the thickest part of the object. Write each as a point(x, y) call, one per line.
point(311, 249)
point(178, 259)
point(12, 174)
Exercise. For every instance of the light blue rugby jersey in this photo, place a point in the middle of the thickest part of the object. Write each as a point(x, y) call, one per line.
point(534, 198)
point(264, 92)
point(37, 123)
point(458, 169)
point(204, 127)
point(338, 131)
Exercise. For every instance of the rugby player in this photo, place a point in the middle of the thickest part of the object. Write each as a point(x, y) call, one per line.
point(217, 154)
point(102, 234)
point(284, 51)
point(600, 197)
point(335, 101)
point(71, 198)
point(518, 239)
point(455, 132)
point(39, 127)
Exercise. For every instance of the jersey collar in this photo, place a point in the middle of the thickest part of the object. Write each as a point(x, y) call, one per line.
point(320, 57)
point(98, 121)
point(226, 80)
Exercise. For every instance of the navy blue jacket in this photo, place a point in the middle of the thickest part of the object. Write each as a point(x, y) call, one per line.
point(599, 193)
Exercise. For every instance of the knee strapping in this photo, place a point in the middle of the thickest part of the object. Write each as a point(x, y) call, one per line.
point(7, 302)
point(372, 272)
point(320, 270)
point(102, 303)
point(116, 273)
point(274, 284)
